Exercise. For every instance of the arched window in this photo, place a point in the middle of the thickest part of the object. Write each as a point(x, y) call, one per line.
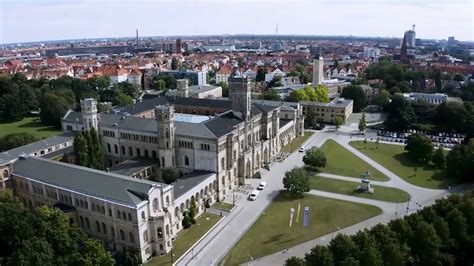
point(146, 153)
point(119, 214)
point(81, 221)
point(186, 160)
point(143, 215)
point(176, 212)
point(155, 205)
point(138, 152)
point(97, 226)
point(130, 236)
point(104, 229)
point(124, 215)
point(223, 180)
point(145, 235)
point(122, 234)
point(160, 232)
point(112, 231)
point(223, 163)
point(167, 199)
point(167, 229)
point(154, 155)
point(129, 217)
point(5, 173)
point(87, 222)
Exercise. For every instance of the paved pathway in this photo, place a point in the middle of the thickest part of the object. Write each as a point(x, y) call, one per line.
point(215, 246)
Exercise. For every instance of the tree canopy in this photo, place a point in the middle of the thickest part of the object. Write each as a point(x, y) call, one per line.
point(436, 235)
point(308, 93)
point(296, 181)
point(44, 236)
point(419, 147)
point(11, 141)
point(315, 158)
point(357, 94)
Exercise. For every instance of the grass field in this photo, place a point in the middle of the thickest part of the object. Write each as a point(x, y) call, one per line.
point(394, 158)
point(29, 125)
point(349, 188)
point(187, 238)
point(270, 233)
point(296, 143)
point(342, 162)
point(220, 205)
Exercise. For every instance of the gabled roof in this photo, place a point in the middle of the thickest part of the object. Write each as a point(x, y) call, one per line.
point(100, 184)
point(223, 124)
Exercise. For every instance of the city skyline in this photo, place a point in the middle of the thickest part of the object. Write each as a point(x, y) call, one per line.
point(63, 20)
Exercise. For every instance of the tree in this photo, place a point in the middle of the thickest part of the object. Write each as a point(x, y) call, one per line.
point(362, 123)
point(319, 255)
point(13, 140)
point(53, 108)
point(121, 99)
point(261, 72)
point(342, 247)
point(44, 237)
point(439, 159)
point(315, 158)
point(168, 175)
point(271, 95)
point(426, 244)
point(419, 147)
point(97, 156)
point(161, 84)
point(452, 116)
point(382, 99)
point(338, 121)
point(225, 88)
point(294, 261)
point(400, 114)
point(298, 96)
point(459, 161)
point(357, 94)
point(459, 77)
point(308, 93)
point(174, 63)
point(81, 150)
point(296, 181)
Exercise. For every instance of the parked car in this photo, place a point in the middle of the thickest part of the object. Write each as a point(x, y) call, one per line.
point(301, 149)
point(262, 185)
point(254, 195)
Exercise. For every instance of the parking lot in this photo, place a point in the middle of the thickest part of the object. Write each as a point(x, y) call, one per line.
point(440, 139)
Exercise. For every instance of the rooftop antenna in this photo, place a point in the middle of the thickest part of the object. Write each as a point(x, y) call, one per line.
point(413, 27)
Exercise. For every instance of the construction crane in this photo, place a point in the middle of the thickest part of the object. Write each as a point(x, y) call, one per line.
point(413, 27)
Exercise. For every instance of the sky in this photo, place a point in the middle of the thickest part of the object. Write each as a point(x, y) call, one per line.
point(39, 20)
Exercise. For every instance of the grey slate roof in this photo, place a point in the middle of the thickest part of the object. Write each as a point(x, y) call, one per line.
point(193, 129)
point(132, 166)
point(189, 181)
point(128, 122)
point(110, 186)
point(73, 117)
point(140, 107)
point(223, 124)
point(36, 146)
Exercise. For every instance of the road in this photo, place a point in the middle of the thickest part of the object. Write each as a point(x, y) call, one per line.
point(218, 242)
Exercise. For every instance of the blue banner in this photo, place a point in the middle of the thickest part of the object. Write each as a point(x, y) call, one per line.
point(306, 216)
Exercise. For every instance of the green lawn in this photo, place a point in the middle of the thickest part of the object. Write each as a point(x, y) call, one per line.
point(297, 142)
point(342, 162)
point(220, 205)
point(270, 233)
point(349, 188)
point(30, 125)
point(393, 158)
point(187, 238)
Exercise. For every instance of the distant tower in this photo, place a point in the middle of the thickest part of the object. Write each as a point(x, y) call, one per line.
point(318, 65)
point(240, 94)
point(137, 38)
point(183, 87)
point(164, 116)
point(403, 52)
point(411, 37)
point(89, 113)
point(179, 47)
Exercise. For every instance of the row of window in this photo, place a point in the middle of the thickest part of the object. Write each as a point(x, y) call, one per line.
point(108, 133)
point(185, 144)
point(101, 228)
point(206, 147)
point(137, 137)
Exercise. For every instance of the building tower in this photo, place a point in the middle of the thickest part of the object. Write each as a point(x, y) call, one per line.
point(89, 113)
point(240, 94)
point(318, 65)
point(183, 87)
point(179, 47)
point(410, 37)
point(404, 51)
point(164, 116)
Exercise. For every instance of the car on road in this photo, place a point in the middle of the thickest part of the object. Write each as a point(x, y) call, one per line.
point(301, 149)
point(262, 185)
point(254, 195)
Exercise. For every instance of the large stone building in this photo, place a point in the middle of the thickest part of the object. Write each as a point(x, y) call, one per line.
point(213, 145)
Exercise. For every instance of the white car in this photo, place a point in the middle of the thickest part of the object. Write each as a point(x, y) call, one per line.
point(254, 195)
point(301, 149)
point(262, 185)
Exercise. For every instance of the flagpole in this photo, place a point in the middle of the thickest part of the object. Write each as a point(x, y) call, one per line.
point(298, 213)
